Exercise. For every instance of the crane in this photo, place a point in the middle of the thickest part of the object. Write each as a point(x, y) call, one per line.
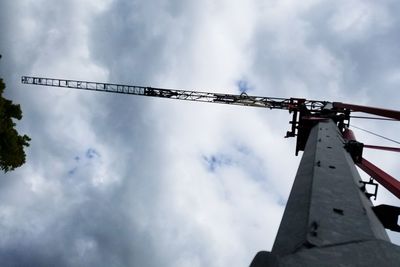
point(329, 217)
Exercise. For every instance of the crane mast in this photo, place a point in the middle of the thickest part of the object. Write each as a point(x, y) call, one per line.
point(329, 219)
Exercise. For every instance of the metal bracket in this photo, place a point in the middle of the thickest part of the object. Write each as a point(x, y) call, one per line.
point(388, 215)
point(364, 188)
point(355, 149)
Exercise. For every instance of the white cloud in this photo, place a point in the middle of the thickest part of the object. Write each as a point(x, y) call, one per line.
point(356, 20)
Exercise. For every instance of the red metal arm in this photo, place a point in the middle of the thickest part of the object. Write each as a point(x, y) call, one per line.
point(385, 179)
point(388, 113)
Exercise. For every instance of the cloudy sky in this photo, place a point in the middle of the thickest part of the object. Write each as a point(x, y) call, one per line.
point(116, 180)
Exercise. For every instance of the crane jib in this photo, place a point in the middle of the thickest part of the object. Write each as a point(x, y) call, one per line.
point(209, 97)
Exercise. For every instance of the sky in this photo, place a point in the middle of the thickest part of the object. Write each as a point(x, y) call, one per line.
point(118, 180)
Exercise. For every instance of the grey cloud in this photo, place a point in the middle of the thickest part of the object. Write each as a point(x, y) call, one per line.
point(367, 59)
point(133, 38)
point(156, 204)
point(359, 62)
point(97, 222)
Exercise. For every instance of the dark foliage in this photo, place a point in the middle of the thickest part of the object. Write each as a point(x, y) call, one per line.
point(12, 154)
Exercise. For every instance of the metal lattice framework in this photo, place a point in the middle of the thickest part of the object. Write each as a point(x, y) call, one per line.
point(232, 99)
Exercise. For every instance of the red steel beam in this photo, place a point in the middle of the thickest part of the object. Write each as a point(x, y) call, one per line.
point(388, 113)
point(385, 179)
